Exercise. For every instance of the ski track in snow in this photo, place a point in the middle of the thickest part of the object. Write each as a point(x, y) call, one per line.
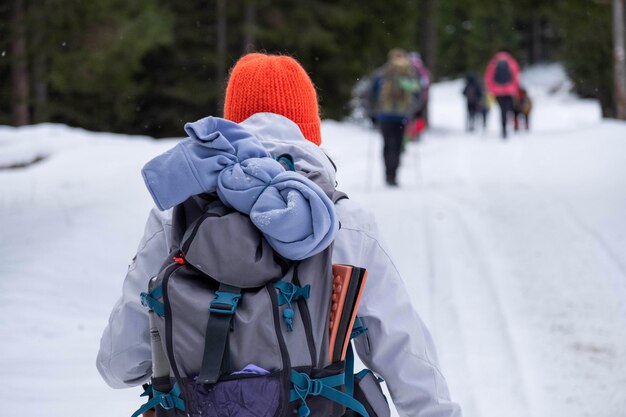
point(594, 234)
point(449, 321)
point(485, 327)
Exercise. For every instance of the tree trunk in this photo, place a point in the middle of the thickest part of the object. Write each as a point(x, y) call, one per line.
point(221, 53)
point(40, 108)
point(249, 28)
point(619, 59)
point(429, 38)
point(19, 69)
point(429, 43)
point(39, 79)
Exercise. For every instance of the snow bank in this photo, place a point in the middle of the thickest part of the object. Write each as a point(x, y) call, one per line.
point(20, 146)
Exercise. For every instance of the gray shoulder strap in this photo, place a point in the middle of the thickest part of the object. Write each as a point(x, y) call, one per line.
point(338, 195)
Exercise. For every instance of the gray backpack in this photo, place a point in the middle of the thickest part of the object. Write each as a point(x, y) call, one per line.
point(239, 331)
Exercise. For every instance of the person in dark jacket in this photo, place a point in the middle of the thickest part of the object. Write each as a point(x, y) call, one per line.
point(474, 95)
point(393, 94)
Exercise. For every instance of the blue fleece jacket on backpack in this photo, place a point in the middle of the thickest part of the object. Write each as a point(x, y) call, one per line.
point(297, 218)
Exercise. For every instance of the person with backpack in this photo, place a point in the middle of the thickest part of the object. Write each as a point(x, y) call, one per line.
point(231, 304)
point(424, 76)
point(474, 95)
point(394, 94)
point(501, 79)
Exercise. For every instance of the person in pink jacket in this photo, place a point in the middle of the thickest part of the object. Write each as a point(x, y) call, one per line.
point(501, 79)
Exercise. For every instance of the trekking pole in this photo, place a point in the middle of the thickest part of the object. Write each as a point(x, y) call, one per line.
point(371, 149)
point(417, 162)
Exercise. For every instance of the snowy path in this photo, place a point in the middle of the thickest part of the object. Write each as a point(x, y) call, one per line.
point(520, 280)
point(512, 253)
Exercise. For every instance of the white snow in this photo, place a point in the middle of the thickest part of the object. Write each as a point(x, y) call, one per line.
point(512, 252)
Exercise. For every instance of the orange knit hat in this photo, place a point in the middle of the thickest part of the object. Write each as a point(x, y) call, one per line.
point(276, 84)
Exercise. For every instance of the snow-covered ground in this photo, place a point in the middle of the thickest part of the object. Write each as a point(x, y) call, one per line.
point(513, 253)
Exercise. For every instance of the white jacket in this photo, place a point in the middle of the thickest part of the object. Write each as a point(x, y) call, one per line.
point(397, 345)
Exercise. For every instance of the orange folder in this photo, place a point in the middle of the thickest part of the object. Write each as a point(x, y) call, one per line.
point(348, 284)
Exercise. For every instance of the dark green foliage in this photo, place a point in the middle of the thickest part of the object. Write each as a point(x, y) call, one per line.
point(336, 41)
point(5, 68)
point(179, 77)
point(148, 66)
point(472, 31)
point(84, 56)
point(92, 52)
point(585, 27)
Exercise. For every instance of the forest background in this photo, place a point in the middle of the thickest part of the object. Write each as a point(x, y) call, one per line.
point(148, 66)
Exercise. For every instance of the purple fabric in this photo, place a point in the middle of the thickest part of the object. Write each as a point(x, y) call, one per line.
point(252, 369)
point(243, 397)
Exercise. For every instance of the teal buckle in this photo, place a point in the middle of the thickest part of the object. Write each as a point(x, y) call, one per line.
point(290, 292)
point(150, 300)
point(166, 400)
point(303, 386)
point(171, 399)
point(307, 386)
point(225, 302)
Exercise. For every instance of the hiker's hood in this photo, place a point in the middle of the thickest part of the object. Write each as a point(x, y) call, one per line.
point(294, 213)
point(279, 135)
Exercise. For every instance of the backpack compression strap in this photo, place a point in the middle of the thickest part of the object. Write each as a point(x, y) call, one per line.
point(222, 311)
point(303, 386)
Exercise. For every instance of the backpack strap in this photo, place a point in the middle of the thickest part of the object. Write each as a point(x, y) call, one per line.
point(222, 311)
point(304, 386)
point(358, 329)
point(337, 196)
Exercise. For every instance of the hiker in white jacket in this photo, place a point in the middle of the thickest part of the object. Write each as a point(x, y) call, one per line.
point(397, 345)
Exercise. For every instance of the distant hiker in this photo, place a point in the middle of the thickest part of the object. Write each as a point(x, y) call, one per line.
point(522, 107)
point(501, 79)
point(394, 94)
point(421, 107)
point(475, 97)
point(246, 316)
